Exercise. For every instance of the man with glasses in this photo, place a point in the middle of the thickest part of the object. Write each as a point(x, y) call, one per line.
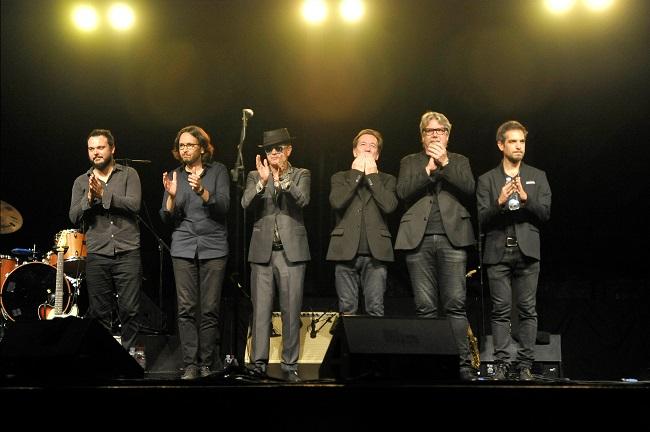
point(438, 189)
point(195, 204)
point(361, 243)
point(514, 200)
point(279, 251)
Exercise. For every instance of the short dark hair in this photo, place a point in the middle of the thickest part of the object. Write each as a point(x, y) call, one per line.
point(102, 132)
point(508, 126)
point(204, 141)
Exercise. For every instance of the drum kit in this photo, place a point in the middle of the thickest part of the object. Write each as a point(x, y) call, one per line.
point(28, 279)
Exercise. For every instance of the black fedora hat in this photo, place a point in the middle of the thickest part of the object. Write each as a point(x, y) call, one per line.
point(275, 137)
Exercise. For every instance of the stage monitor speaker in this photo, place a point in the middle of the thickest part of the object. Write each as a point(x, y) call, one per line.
point(391, 348)
point(315, 338)
point(64, 348)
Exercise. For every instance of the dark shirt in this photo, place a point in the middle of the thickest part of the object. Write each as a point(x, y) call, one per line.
point(110, 223)
point(510, 215)
point(434, 223)
point(199, 227)
point(363, 191)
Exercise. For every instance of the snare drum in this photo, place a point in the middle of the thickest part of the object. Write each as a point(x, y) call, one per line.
point(75, 256)
point(8, 264)
point(28, 287)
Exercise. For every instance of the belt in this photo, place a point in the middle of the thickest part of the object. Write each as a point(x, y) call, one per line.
point(277, 247)
point(511, 242)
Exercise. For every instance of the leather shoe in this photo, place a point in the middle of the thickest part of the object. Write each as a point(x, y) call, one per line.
point(205, 371)
point(468, 374)
point(256, 371)
point(291, 376)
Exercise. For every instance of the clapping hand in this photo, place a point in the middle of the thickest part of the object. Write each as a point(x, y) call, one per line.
point(263, 169)
point(170, 184)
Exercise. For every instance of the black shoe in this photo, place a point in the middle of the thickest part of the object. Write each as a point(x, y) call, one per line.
point(256, 371)
point(291, 376)
point(468, 374)
point(205, 371)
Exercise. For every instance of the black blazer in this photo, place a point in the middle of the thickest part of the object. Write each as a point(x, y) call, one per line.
point(454, 186)
point(349, 206)
point(527, 220)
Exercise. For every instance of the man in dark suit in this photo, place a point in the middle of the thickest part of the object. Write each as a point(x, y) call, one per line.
point(361, 243)
point(438, 188)
point(279, 250)
point(514, 200)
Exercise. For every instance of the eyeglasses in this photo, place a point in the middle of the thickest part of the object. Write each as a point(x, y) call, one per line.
point(188, 146)
point(434, 131)
point(277, 148)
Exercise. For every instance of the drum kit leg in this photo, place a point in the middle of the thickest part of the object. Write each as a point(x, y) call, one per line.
point(28, 279)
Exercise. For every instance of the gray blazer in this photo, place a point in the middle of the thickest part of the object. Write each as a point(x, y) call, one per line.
point(454, 186)
point(527, 220)
point(286, 209)
point(350, 206)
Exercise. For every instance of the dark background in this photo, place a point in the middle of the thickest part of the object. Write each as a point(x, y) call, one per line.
point(579, 83)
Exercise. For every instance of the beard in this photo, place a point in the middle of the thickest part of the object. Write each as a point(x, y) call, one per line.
point(101, 166)
point(515, 158)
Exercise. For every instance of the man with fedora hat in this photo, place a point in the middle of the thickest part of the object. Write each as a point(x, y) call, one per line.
point(279, 250)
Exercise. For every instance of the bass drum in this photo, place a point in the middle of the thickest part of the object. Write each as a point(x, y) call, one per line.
point(29, 286)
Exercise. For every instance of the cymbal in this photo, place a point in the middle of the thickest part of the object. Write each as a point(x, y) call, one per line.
point(10, 218)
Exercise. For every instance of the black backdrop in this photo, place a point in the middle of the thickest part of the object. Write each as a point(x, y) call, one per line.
point(579, 83)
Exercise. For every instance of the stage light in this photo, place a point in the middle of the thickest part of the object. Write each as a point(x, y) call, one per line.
point(352, 10)
point(314, 11)
point(598, 5)
point(85, 18)
point(559, 6)
point(121, 16)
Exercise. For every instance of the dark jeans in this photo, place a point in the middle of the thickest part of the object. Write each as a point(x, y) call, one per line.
point(198, 291)
point(515, 273)
point(437, 272)
point(110, 275)
point(364, 271)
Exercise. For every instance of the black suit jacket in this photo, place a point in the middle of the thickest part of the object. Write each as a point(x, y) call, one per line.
point(454, 186)
point(527, 220)
point(349, 206)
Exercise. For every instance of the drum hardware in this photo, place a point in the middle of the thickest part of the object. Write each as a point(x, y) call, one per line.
point(10, 218)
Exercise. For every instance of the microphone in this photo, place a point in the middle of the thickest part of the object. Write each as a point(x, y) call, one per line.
point(247, 113)
point(127, 160)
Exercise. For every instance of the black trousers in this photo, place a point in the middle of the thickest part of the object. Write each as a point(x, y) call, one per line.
point(198, 289)
point(115, 278)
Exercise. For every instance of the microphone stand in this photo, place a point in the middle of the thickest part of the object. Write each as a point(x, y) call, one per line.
point(161, 245)
point(238, 175)
point(480, 274)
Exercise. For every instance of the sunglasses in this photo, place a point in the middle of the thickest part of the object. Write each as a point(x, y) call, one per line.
point(278, 148)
